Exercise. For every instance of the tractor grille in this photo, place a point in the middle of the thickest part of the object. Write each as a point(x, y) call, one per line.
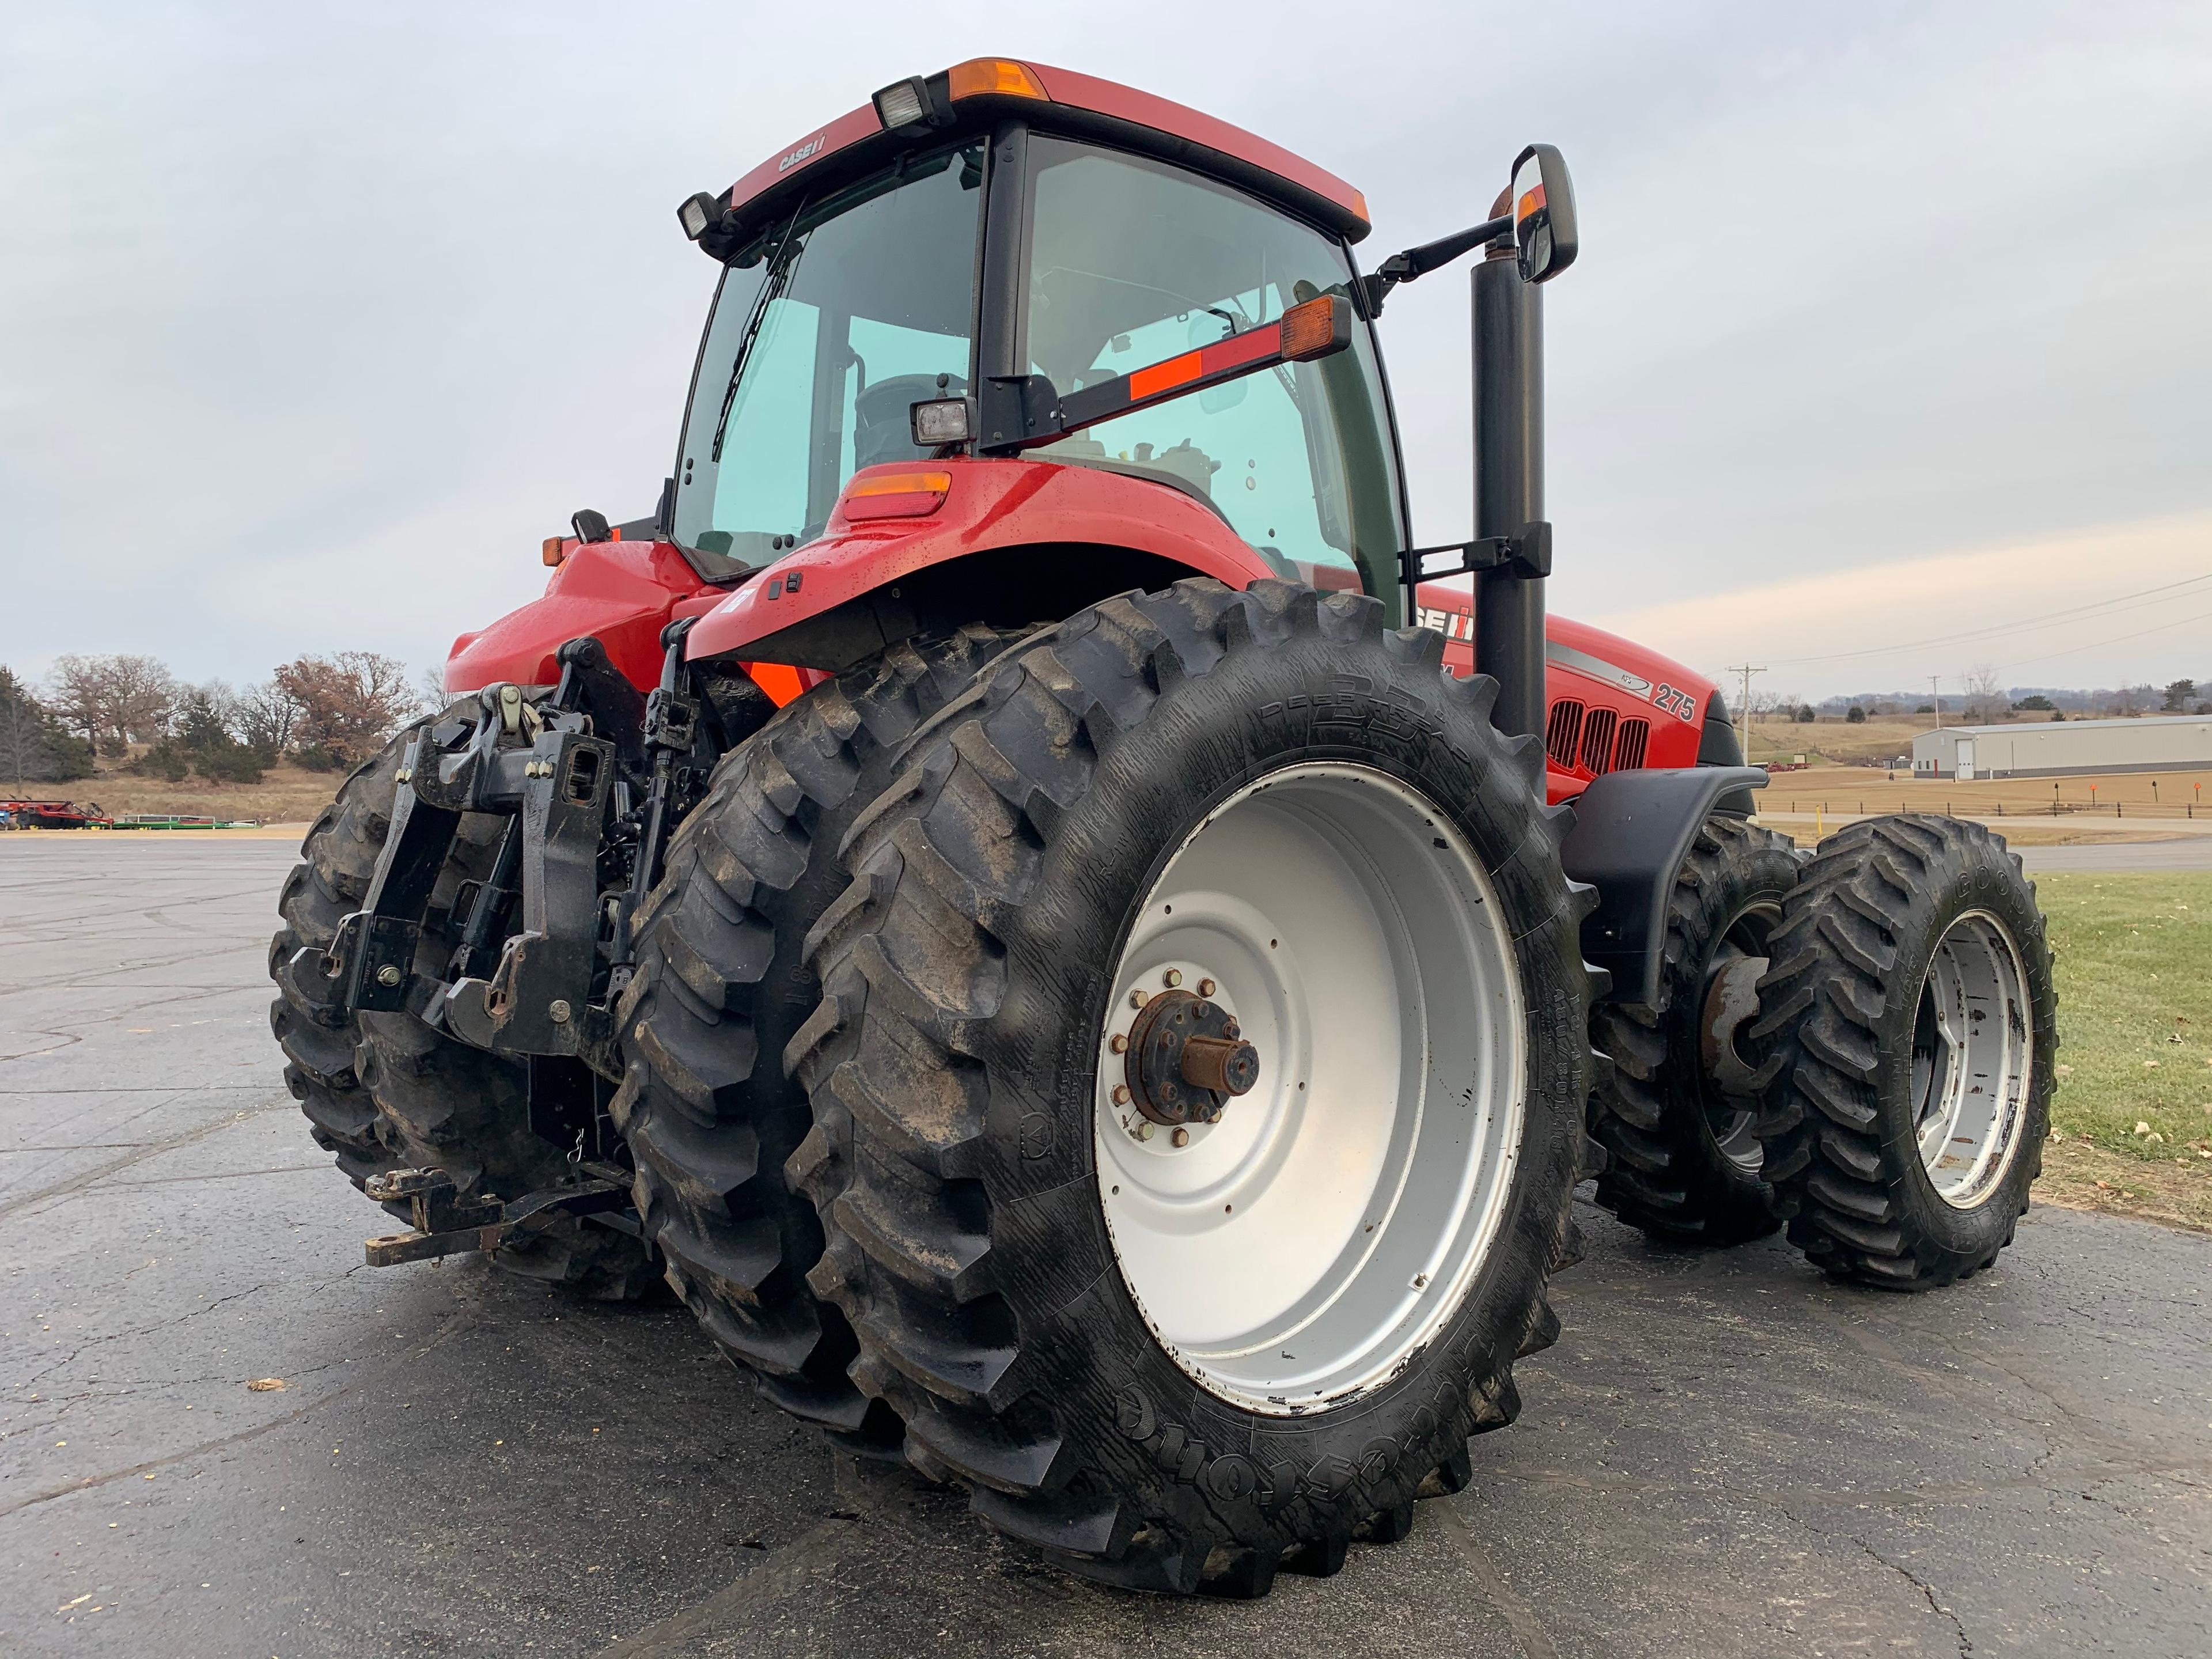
point(1628, 750)
point(1563, 733)
point(1597, 740)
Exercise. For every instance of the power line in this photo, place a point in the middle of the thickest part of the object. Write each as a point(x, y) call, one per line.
point(2071, 613)
point(2117, 639)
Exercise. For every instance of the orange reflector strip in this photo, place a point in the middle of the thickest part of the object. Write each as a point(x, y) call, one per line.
point(779, 680)
point(1310, 329)
point(1529, 203)
point(900, 483)
point(1164, 377)
point(978, 75)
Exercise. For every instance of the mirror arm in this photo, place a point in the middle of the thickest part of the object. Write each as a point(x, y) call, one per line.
point(1017, 411)
point(1414, 262)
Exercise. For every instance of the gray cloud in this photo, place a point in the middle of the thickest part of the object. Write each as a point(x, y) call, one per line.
point(314, 322)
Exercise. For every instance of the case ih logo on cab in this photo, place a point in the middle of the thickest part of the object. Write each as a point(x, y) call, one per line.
point(811, 147)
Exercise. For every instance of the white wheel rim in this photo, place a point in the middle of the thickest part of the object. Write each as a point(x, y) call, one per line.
point(1295, 1254)
point(1972, 1055)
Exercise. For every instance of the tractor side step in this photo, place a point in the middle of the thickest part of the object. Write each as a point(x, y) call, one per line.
point(448, 1224)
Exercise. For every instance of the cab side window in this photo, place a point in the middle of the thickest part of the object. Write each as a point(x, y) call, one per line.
point(1132, 262)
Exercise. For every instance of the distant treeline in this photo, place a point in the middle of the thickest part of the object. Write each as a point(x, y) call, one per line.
point(1979, 699)
point(325, 713)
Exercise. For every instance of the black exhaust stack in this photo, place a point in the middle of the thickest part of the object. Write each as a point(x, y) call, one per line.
point(1509, 483)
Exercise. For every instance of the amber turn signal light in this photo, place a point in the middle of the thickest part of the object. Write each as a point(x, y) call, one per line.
point(978, 75)
point(902, 495)
point(556, 549)
point(1315, 329)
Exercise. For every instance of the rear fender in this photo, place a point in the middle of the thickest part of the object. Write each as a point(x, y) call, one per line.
point(1014, 542)
point(1631, 831)
point(622, 593)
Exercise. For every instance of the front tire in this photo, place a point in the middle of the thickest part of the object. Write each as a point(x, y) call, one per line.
point(1911, 1008)
point(1009, 892)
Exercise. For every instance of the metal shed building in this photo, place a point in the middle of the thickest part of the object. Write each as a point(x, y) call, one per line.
point(2025, 751)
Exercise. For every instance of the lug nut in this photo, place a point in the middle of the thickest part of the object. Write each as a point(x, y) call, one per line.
point(1144, 1129)
point(1119, 1044)
point(1140, 997)
point(387, 975)
point(1172, 978)
point(558, 1013)
point(1120, 1094)
point(1181, 1137)
point(1206, 987)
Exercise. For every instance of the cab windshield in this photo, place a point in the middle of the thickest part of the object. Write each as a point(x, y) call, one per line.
point(823, 335)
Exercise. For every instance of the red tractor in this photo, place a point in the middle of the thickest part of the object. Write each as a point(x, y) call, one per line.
point(1092, 966)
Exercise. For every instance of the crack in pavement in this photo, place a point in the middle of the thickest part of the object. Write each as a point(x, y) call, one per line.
point(139, 1330)
point(465, 1314)
point(1528, 1632)
point(1927, 1591)
point(93, 1176)
point(91, 1482)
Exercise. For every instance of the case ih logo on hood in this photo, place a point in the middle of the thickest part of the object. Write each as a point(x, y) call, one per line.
point(806, 151)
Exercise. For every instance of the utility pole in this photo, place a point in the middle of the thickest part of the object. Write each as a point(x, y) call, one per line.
point(1935, 691)
point(1743, 708)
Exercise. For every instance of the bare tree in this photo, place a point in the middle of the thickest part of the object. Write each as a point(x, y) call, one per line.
point(348, 702)
point(1986, 703)
point(266, 714)
point(115, 701)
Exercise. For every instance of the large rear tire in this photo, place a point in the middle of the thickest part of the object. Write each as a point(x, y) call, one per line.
point(384, 1090)
point(1122, 1343)
point(722, 983)
point(1910, 1007)
point(1678, 1106)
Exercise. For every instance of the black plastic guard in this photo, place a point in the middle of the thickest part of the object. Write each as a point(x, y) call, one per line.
point(1631, 829)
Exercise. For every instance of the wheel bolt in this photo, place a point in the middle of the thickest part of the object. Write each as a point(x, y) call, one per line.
point(1119, 1044)
point(1172, 978)
point(1144, 1129)
point(1206, 987)
point(1181, 1137)
point(1120, 1094)
point(1140, 997)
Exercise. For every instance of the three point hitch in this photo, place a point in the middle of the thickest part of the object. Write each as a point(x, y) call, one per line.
point(592, 780)
point(446, 1223)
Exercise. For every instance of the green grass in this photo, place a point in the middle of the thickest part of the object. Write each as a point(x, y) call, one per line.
point(2135, 974)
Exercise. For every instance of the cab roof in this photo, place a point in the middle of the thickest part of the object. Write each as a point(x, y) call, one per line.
point(971, 96)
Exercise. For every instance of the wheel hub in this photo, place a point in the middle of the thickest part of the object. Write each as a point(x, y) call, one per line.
point(1187, 1060)
point(1311, 1076)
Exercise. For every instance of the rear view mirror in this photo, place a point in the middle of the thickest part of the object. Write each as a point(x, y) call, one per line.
point(1543, 213)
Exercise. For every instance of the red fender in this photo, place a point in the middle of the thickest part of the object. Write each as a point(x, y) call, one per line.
point(991, 504)
point(624, 592)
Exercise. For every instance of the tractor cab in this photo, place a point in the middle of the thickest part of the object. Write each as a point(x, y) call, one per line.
point(951, 285)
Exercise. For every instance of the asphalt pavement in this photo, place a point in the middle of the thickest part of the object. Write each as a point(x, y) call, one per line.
point(1723, 1455)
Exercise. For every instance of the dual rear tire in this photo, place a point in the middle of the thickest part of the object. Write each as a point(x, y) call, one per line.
point(1121, 1342)
point(1886, 1091)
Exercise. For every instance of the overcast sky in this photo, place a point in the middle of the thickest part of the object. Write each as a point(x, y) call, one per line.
point(1892, 321)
